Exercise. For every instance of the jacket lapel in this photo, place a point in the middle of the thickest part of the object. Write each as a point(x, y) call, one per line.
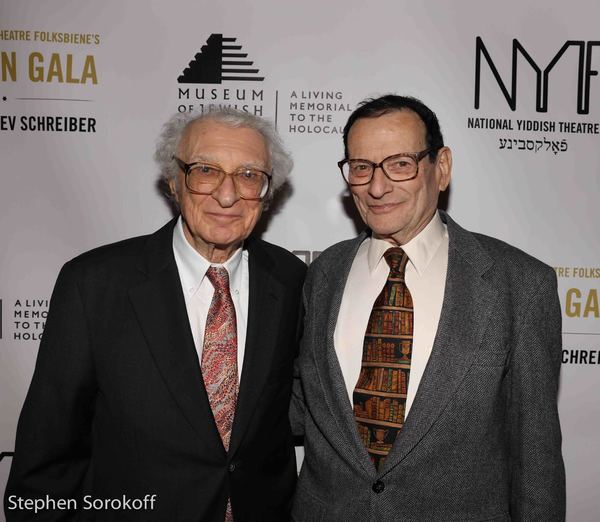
point(327, 363)
point(160, 308)
point(265, 294)
point(466, 310)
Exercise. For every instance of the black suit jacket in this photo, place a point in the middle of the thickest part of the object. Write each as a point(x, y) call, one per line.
point(117, 405)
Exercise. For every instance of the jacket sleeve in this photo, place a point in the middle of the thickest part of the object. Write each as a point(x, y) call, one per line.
point(537, 469)
point(53, 442)
point(297, 405)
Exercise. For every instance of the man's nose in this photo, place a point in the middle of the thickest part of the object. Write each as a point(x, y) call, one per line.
point(380, 184)
point(226, 193)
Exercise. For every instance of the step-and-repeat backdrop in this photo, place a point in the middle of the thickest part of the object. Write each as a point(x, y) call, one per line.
point(85, 88)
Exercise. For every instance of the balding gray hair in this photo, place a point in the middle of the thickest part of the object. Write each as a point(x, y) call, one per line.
point(173, 130)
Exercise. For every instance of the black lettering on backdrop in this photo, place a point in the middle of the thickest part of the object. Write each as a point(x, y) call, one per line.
point(584, 74)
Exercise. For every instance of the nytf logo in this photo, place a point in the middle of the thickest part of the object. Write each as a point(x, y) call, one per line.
point(583, 70)
point(221, 59)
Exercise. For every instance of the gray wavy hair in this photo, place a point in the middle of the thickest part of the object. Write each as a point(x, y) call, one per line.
point(172, 131)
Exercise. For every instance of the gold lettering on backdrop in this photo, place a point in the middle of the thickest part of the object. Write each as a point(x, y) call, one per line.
point(55, 69)
point(563, 271)
point(580, 304)
point(9, 66)
point(89, 70)
point(61, 69)
point(36, 72)
point(584, 272)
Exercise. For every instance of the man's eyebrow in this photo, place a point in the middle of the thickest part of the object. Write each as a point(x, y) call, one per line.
point(201, 157)
point(198, 158)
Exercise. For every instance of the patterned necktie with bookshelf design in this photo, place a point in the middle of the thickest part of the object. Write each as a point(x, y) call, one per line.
point(380, 393)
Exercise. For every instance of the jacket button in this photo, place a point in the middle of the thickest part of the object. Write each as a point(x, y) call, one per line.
point(231, 467)
point(378, 487)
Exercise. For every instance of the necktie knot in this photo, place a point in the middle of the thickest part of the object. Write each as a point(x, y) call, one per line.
point(219, 277)
point(396, 258)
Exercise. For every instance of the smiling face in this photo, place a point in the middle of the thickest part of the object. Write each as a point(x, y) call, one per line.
point(216, 224)
point(397, 211)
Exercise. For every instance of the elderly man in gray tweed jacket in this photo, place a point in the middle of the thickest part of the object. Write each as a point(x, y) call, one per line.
point(429, 368)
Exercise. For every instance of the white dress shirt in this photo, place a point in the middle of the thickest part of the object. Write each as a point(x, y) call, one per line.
point(425, 278)
point(198, 290)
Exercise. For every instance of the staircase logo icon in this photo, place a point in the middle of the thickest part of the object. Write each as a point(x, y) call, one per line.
point(218, 61)
point(6, 454)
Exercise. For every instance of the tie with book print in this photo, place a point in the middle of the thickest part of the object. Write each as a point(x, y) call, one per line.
point(380, 393)
point(219, 358)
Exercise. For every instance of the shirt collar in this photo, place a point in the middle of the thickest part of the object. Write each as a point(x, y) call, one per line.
point(420, 249)
point(192, 265)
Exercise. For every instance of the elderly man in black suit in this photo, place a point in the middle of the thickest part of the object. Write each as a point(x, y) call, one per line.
point(163, 379)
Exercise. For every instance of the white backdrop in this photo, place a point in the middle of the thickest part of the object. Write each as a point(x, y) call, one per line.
point(529, 176)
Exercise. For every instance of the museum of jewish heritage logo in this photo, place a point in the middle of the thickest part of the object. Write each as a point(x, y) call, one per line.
point(218, 61)
point(222, 75)
point(6, 454)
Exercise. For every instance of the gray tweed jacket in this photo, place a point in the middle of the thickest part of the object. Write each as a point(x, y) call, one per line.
point(482, 440)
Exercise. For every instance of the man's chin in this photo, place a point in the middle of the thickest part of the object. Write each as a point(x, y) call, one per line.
point(389, 237)
point(383, 229)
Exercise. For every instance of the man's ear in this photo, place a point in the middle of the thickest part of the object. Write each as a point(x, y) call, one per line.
point(444, 168)
point(173, 189)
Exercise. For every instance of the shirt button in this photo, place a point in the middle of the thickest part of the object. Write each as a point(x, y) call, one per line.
point(231, 467)
point(378, 487)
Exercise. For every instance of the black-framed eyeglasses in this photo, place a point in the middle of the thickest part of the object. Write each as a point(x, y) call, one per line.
point(204, 178)
point(398, 167)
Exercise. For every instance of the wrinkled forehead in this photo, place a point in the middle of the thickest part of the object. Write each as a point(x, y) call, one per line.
point(212, 135)
point(196, 130)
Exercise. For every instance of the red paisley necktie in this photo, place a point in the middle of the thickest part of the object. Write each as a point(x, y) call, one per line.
point(219, 358)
